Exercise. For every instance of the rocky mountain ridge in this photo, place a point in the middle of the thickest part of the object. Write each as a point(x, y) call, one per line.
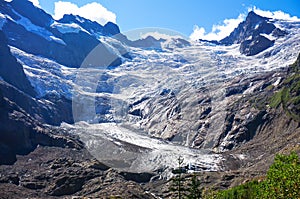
point(64, 41)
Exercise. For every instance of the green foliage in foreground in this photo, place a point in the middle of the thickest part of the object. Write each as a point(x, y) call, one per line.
point(282, 182)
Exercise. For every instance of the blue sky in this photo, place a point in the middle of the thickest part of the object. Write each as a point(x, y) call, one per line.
point(181, 15)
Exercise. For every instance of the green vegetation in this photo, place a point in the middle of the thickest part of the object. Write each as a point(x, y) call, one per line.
point(282, 182)
point(289, 95)
point(275, 101)
point(184, 187)
point(194, 191)
point(177, 186)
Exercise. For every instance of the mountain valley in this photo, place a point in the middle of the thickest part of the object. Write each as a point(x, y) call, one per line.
point(87, 112)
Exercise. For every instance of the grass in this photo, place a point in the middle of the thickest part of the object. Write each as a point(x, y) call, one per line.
point(276, 99)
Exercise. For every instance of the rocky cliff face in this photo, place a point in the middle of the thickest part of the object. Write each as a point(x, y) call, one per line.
point(11, 71)
point(20, 132)
point(271, 109)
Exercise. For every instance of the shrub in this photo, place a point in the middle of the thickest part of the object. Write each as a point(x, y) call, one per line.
point(282, 182)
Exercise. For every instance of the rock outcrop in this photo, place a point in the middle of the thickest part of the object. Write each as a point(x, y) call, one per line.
point(255, 46)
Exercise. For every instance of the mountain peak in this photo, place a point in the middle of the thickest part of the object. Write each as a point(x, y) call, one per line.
point(255, 34)
point(36, 15)
point(109, 29)
point(67, 18)
point(254, 18)
point(112, 28)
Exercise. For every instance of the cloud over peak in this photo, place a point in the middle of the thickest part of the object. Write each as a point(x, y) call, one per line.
point(93, 11)
point(219, 31)
point(224, 29)
point(274, 15)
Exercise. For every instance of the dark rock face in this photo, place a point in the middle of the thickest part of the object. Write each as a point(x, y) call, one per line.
point(255, 46)
point(137, 177)
point(248, 34)
point(241, 128)
point(38, 45)
point(84, 23)
point(37, 16)
point(50, 110)
point(21, 133)
point(111, 29)
point(79, 45)
point(60, 110)
point(11, 71)
point(245, 29)
point(70, 54)
point(236, 89)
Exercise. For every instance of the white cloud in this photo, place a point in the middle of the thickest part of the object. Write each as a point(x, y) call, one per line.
point(198, 33)
point(219, 31)
point(274, 15)
point(36, 3)
point(93, 11)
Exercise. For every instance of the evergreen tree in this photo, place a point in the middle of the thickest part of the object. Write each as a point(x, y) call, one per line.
point(194, 188)
point(178, 181)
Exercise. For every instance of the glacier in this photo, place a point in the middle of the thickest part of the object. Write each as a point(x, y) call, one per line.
point(103, 98)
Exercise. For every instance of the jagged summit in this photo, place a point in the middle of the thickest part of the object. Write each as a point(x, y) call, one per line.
point(255, 18)
point(252, 26)
point(254, 35)
point(36, 15)
point(94, 28)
